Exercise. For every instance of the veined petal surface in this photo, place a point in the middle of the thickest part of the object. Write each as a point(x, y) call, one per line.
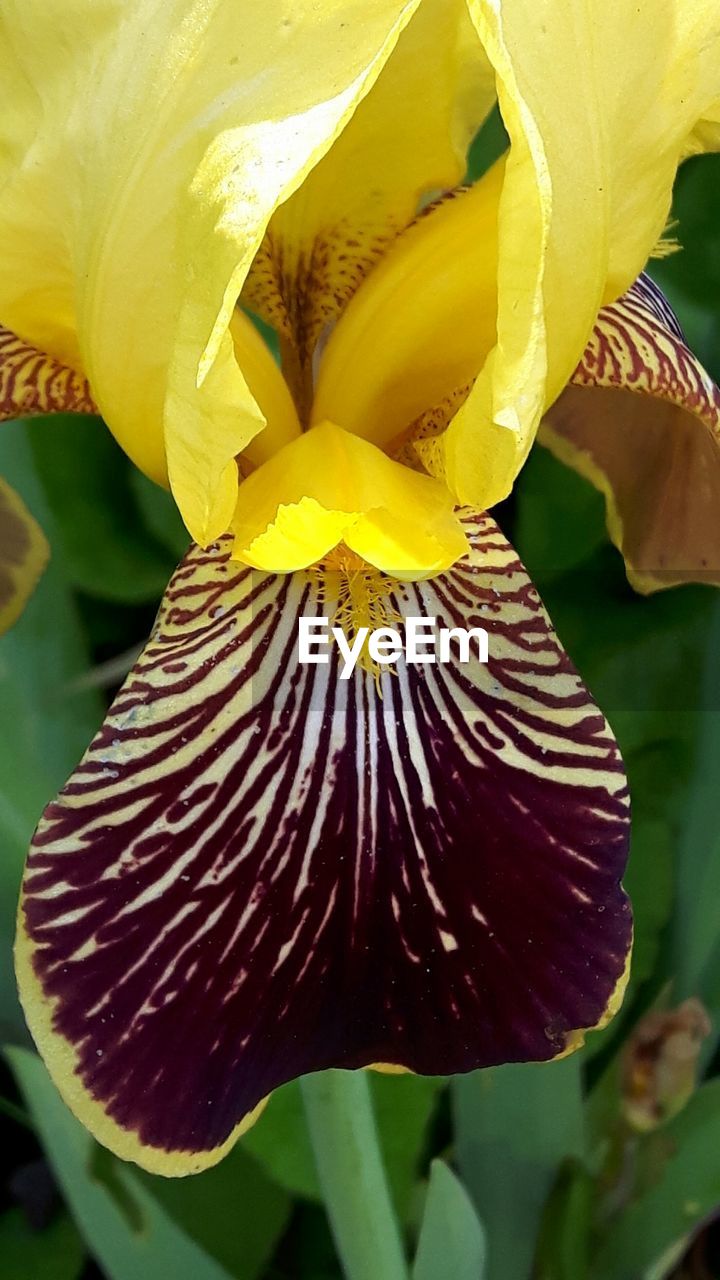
point(32, 383)
point(641, 420)
point(260, 869)
point(601, 102)
point(23, 555)
point(143, 149)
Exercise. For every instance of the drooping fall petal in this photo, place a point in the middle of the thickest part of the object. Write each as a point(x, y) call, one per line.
point(260, 869)
point(23, 555)
point(641, 420)
point(601, 102)
point(143, 149)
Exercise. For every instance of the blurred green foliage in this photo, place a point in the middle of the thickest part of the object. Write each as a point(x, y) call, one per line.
point(559, 1184)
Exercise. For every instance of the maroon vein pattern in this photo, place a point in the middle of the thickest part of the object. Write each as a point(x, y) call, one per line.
point(641, 419)
point(638, 345)
point(259, 870)
point(32, 383)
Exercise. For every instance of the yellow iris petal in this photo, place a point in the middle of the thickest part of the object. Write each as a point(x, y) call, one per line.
point(143, 149)
point(408, 139)
point(423, 322)
point(329, 487)
point(269, 390)
point(601, 102)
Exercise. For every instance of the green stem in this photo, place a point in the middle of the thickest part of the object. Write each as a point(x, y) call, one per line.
point(340, 1118)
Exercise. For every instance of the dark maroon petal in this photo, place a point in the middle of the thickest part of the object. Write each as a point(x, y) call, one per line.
point(261, 870)
point(641, 420)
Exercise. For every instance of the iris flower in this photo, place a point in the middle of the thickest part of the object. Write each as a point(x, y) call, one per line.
point(259, 870)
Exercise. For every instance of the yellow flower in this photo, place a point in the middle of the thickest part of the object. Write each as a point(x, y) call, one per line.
point(259, 869)
point(147, 162)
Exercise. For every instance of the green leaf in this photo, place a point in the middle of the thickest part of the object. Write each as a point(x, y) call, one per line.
point(695, 272)
point(559, 518)
point(514, 1127)
point(649, 881)
point(280, 1142)
point(403, 1106)
point(489, 143)
point(140, 1228)
point(686, 1189)
point(452, 1240)
point(233, 1211)
point(565, 1232)
point(159, 514)
point(55, 1253)
point(698, 889)
point(43, 732)
point(105, 545)
point(341, 1123)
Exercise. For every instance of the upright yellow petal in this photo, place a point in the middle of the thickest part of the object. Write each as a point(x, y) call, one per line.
point(143, 149)
point(601, 102)
point(419, 328)
point(407, 141)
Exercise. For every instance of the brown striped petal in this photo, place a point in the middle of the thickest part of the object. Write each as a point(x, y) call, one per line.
point(33, 383)
point(641, 420)
point(23, 555)
point(260, 870)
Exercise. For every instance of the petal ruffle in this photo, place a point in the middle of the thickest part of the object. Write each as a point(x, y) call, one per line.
point(23, 555)
point(260, 870)
point(601, 102)
point(33, 383)
point(641, 421)
point(143, 149)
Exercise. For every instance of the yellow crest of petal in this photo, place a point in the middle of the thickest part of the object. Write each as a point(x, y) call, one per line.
point(329, 487)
